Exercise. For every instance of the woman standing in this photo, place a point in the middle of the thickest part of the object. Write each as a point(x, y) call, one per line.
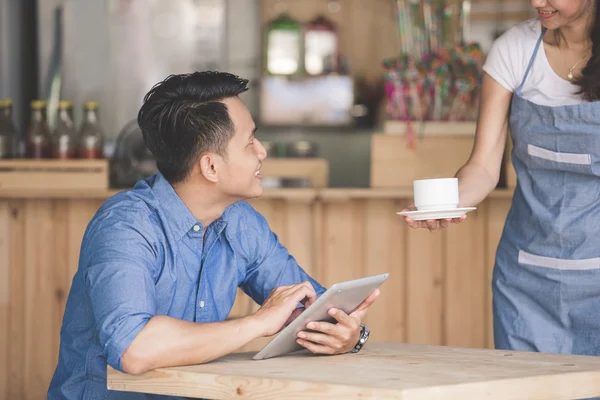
point(542, 79)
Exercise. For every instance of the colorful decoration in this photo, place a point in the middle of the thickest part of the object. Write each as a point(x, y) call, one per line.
point(437, 75)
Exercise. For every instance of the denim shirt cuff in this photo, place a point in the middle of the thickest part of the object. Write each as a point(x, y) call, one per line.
point(115, 347)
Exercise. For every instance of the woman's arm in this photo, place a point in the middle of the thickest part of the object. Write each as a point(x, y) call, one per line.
point(480, 175)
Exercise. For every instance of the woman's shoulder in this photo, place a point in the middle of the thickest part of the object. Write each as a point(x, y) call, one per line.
point(507, 60)
point(522, 34)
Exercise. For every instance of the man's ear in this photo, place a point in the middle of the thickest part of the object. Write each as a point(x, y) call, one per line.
point(208, 167)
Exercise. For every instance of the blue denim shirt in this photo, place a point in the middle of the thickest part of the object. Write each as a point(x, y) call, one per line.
point(145, 254)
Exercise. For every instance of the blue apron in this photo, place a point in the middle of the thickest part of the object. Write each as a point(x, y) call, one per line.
point(546, 281)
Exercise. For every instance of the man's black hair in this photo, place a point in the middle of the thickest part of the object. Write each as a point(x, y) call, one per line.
point(183, 117)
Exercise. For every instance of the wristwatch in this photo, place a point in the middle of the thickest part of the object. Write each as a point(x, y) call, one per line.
point(364, 335)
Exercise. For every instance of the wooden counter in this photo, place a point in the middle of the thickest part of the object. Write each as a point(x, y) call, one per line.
point(288, 193)
point(297, 194)
point(438, 291)
point(355, 194)
point(379, 371)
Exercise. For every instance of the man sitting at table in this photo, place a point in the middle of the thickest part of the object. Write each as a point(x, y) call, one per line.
point(160, 264)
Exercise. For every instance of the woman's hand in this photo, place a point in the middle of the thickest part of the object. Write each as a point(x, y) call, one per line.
point(431, 224)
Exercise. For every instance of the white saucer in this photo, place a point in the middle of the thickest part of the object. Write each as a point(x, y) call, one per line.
point(436, 214)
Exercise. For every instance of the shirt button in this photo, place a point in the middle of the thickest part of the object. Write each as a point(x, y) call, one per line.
point(202, 304)
point(196, 228)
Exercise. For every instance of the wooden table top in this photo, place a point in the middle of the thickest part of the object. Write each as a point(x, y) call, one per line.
point(380, 370)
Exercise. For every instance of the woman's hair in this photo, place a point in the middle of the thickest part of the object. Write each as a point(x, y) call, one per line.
point(589, 82)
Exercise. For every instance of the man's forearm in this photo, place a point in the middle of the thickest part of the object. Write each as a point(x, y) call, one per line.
point(166, 341)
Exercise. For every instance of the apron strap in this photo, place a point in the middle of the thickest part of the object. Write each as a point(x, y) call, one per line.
point(537, 47)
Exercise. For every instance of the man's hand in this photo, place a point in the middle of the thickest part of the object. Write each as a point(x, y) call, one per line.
point(280, 308)
point(339, 338)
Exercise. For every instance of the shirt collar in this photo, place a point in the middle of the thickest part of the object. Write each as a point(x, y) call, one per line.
point(179, 217)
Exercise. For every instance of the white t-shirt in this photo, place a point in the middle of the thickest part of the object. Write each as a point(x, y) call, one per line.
point(508, 59)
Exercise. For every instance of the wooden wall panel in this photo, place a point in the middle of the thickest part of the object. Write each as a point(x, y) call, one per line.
point(424, 282)
point(385, 235)
point(4, 298)
point(297, 234)
point(39, 297)
point(318, 234)
point(61, 273)
point(343, 238)
point(464, 282)
point(17, 383)
point(39, 248)
point(496, 211)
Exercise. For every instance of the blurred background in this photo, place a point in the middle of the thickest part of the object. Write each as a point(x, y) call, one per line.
point(324, 74)
point(354, 99)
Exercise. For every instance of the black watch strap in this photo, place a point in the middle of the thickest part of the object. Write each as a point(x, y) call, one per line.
point(364, 335)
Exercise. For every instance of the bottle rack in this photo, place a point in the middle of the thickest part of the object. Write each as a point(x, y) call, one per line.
point(53, 174)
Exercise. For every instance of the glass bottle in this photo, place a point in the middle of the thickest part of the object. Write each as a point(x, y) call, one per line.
point(38, 142)
point(64, 139)
point(91, 137)
point(8, 132)
point(283, 46)
point(321, 47)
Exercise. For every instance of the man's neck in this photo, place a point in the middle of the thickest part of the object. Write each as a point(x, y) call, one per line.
point(203, 201)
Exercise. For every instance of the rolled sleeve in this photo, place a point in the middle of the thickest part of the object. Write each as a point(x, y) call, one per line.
point(272, 265)
point(504, 63)
point(119, 277)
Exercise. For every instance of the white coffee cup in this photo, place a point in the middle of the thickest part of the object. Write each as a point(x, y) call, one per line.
point(436, 194)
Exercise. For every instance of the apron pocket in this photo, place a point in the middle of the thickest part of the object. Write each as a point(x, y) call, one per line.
point(562, 179)
point(558, 263)
point(567, 158)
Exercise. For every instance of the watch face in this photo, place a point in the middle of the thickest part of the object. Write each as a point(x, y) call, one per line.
point(364, 335)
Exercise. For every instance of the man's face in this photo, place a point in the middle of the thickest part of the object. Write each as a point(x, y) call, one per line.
point(239, 171)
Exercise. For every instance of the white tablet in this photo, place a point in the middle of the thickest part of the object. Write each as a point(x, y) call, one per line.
point(345, 296)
